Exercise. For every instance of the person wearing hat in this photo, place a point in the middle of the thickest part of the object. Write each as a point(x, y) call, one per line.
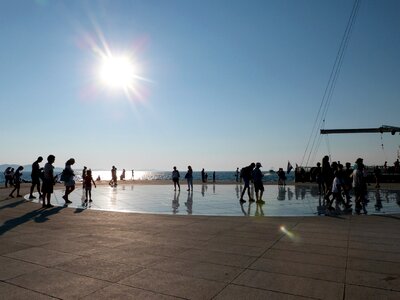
point(246, 174)
point(258, 183)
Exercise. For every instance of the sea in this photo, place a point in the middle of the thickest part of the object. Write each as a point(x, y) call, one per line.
point(220, 176)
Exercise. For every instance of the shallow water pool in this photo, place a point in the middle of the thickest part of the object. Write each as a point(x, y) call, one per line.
point(216, 200)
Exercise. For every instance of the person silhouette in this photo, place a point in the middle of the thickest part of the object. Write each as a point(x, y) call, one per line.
point(122, 177)
point(7, 177)
point(83, 177)
point(69, 181)
point(88, 185)
point(48, 181)
point(246, 174)
point(258, 184)
point(17, 181)
point(175, 178)
point(113, 181)
point(35, 176)
point(189, 178)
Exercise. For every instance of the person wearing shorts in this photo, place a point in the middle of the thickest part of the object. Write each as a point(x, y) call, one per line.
point(258, 183)
point(175, 179)
point(48, 181)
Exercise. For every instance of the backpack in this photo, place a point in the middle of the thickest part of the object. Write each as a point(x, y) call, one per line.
point(63, 176)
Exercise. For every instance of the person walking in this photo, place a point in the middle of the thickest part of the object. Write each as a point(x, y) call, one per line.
point(48, 181)
point(17, 181)
point(35, 176)
point(258, 183)
point(246, 174)
point(237, 174)
point(7, 177)
point(69, 181)
point(175, 178)
point(113, 181)
point(189, 178)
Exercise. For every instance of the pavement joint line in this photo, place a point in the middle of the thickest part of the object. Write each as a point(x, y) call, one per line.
point(255, 259)
point(347, 258)
point(22, 287)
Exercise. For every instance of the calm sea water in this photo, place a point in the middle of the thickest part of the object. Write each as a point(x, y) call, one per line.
point(163, 175)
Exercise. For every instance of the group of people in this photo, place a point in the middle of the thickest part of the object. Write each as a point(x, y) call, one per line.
point(336, 181)
point(252, 173)
point(44, 179)
point(188, 176)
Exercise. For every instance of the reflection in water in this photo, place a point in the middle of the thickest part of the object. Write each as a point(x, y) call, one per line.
point(290, 193)
point(175, 202)
point(280, 201)
point(189, 203)
point(321, 206)
point(378, 203)
point(238, 193)
point(249, 209)
point(307, 199)
point(259, 210)
point(113, 196)
point(242, 208)
point(281, 193)
point(204, 188)
point(214, 188)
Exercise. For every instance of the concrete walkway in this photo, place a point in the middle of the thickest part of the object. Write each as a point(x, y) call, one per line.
point(64, 253)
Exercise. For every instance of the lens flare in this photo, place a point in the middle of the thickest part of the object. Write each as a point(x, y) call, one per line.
point(287, 232)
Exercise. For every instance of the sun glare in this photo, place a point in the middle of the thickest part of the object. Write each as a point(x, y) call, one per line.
point(117, 72)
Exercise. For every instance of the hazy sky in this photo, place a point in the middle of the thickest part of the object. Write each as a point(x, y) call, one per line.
point(219, 83)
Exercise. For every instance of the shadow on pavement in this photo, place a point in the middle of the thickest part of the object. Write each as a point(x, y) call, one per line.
point(37, 215)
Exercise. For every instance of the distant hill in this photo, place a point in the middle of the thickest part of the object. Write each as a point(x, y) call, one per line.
point(27, 168)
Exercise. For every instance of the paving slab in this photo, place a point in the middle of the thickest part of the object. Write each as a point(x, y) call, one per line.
point(198, 269)
point(99, 269)
point(42, 256)
point(306, 258)
point(322, 272)
point(367, 293)
point(372, 279)
point(293, 285)
point(237, 292)
point(11, 268)
point(57, 283)
point(12, 292)
point(119, 291)
point(174, 284)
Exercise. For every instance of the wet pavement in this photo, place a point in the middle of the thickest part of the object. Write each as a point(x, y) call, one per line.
point(75, 253)
point(217, 200)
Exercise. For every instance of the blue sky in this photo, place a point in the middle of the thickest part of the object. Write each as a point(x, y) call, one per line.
point(227, 82)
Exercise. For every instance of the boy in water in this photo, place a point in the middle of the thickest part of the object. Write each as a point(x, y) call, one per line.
point(88, 185)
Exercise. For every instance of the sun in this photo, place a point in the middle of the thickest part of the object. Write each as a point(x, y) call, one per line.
point(117, 71)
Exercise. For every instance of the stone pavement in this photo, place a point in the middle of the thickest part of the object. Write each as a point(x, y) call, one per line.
point(64, 253)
